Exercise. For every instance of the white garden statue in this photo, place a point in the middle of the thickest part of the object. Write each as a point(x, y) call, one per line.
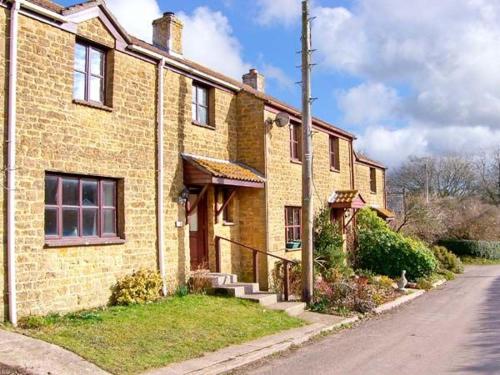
point(402, 282)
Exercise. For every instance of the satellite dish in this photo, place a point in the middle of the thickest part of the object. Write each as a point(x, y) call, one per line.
point(282, 119)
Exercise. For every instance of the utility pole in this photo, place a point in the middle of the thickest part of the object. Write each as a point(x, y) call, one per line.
point(307, 196)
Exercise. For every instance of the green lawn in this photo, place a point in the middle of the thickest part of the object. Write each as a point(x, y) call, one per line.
point(479, 261)
point(130, 340)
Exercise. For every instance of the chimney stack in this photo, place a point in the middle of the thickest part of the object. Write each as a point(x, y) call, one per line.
point(256, 80)
point(167, 33)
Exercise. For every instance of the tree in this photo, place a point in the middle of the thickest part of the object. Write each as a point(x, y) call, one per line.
point(488, 173)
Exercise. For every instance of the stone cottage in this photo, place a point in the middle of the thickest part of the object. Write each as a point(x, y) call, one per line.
point(121, 155)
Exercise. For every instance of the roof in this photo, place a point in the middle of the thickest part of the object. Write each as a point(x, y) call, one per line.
point(347, 199)
point(221, 171)
point(50, 5)
point(361, 158)
point(384, 212)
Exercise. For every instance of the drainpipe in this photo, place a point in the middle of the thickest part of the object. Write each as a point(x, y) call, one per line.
point(11, 164)
point(160, 165)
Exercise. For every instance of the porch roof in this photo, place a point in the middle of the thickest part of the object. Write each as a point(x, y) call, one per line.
point(200, 170)
point(346, 199)
point(384, 213)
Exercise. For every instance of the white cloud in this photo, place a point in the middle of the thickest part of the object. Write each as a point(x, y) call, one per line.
point(272, 72)
point(392, 146)
point(136, 16)
point(368, 103)
point(283, 12)
point(209, 40)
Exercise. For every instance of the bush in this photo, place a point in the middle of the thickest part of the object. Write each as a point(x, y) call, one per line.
point(479, 249)
point(328, 242)
point(140, 287)
point(447, 260)
point(199, 282)
point(295, 274)
point(385, 252)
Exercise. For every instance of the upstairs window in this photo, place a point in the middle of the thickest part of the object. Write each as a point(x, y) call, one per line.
point(293, 227)
point(373, 180)
point(80, 207)
point(295, 143)
point(334, 153)
point(89, 73)
point(199, 104)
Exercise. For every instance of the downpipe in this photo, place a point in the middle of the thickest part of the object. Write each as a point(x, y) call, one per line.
point(11, 163)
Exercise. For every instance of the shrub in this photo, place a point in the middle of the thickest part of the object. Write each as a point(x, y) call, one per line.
point(140, 287)
point(328, 242)
point(386, 252)
point(447, 260)
point(479, 249)
point(199, 283)
point(295, 274)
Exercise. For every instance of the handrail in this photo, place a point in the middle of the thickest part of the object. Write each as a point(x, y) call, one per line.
point(256, 252)
point(254, 249)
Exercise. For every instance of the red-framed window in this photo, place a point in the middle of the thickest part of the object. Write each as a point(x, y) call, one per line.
point(200, 104)
point(373, 180)
point(80, 207)
point(89, 73)
point(295, 143)
point(293, 225)
point(334, 153)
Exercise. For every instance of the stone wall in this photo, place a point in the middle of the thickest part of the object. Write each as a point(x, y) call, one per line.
point(362, 183)
point(285, 181)
point(54, 134)
point(3, 121)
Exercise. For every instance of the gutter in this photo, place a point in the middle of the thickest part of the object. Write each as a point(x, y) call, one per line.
point(160, 179)
point(40, 10)
point(11, 162)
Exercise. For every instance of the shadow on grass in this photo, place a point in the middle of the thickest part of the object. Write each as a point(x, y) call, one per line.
point(486, 335)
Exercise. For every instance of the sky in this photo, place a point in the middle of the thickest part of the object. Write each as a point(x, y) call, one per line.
point(409, 78)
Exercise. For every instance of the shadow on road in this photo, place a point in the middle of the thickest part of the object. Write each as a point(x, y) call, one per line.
point(486, 335)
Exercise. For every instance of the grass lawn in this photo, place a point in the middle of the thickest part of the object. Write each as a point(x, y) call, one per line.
point(479, 261)
point(130, 340)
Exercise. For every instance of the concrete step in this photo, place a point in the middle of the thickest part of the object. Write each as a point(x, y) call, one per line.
point(263, 298)
point(218, 279)
point(291, 308)
point(230, 290)
point(249, 287)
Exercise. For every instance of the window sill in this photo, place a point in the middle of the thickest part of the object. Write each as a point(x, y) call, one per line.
point(373, 192)
point(205, 126)
point(335, 170)
point(295, 161)
point(93, 105)
point(228, 224)
point(84, 242)
point(292, 250)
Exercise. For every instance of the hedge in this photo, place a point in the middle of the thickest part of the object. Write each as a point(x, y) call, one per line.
point(481, 249)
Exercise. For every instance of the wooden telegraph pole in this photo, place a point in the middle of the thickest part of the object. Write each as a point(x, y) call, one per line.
point(307, 196)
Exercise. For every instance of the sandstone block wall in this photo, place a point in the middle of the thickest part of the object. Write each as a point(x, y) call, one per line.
point(362, 183)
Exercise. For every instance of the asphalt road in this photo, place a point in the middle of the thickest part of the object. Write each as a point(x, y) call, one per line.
point(452, 330)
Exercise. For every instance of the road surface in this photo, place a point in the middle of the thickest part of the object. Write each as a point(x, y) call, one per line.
point(452, 330)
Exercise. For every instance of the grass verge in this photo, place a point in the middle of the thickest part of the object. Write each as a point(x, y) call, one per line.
point(479, 261)
point(130, 340)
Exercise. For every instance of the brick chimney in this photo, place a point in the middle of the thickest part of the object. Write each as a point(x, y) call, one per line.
point(256, 80)
point(167, 33)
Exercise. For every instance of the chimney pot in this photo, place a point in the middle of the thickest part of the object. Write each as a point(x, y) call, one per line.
point(167, 33)
point(254, 79)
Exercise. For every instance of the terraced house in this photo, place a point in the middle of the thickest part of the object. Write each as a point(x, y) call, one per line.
point(121, 155)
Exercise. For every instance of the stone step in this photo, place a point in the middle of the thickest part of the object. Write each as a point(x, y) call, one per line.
point(249, 287)
point(230, 290)
point(291, 308)
point(263, 298)
point(218, 279)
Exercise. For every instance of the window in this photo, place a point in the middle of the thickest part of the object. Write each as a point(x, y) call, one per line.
point(200, 108)
point(89, 73)
point(293, 227)
point(373, 180)
point(334, 154)
point(80, 207)
point(295, 143)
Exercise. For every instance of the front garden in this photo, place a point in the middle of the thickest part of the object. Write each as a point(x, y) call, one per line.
point(132, 339)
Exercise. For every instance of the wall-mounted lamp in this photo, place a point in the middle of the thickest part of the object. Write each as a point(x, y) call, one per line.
point(184, 196)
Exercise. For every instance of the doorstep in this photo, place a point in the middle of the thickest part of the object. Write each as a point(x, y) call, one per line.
point(236, 356)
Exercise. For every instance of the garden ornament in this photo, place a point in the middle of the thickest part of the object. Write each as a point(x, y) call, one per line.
point(402, 282)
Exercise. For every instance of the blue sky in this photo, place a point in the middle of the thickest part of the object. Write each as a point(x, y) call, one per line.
point(406, 85)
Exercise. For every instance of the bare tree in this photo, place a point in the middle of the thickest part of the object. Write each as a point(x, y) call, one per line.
point(488, 175)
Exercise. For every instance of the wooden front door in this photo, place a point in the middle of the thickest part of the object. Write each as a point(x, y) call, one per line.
point(198, 233)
